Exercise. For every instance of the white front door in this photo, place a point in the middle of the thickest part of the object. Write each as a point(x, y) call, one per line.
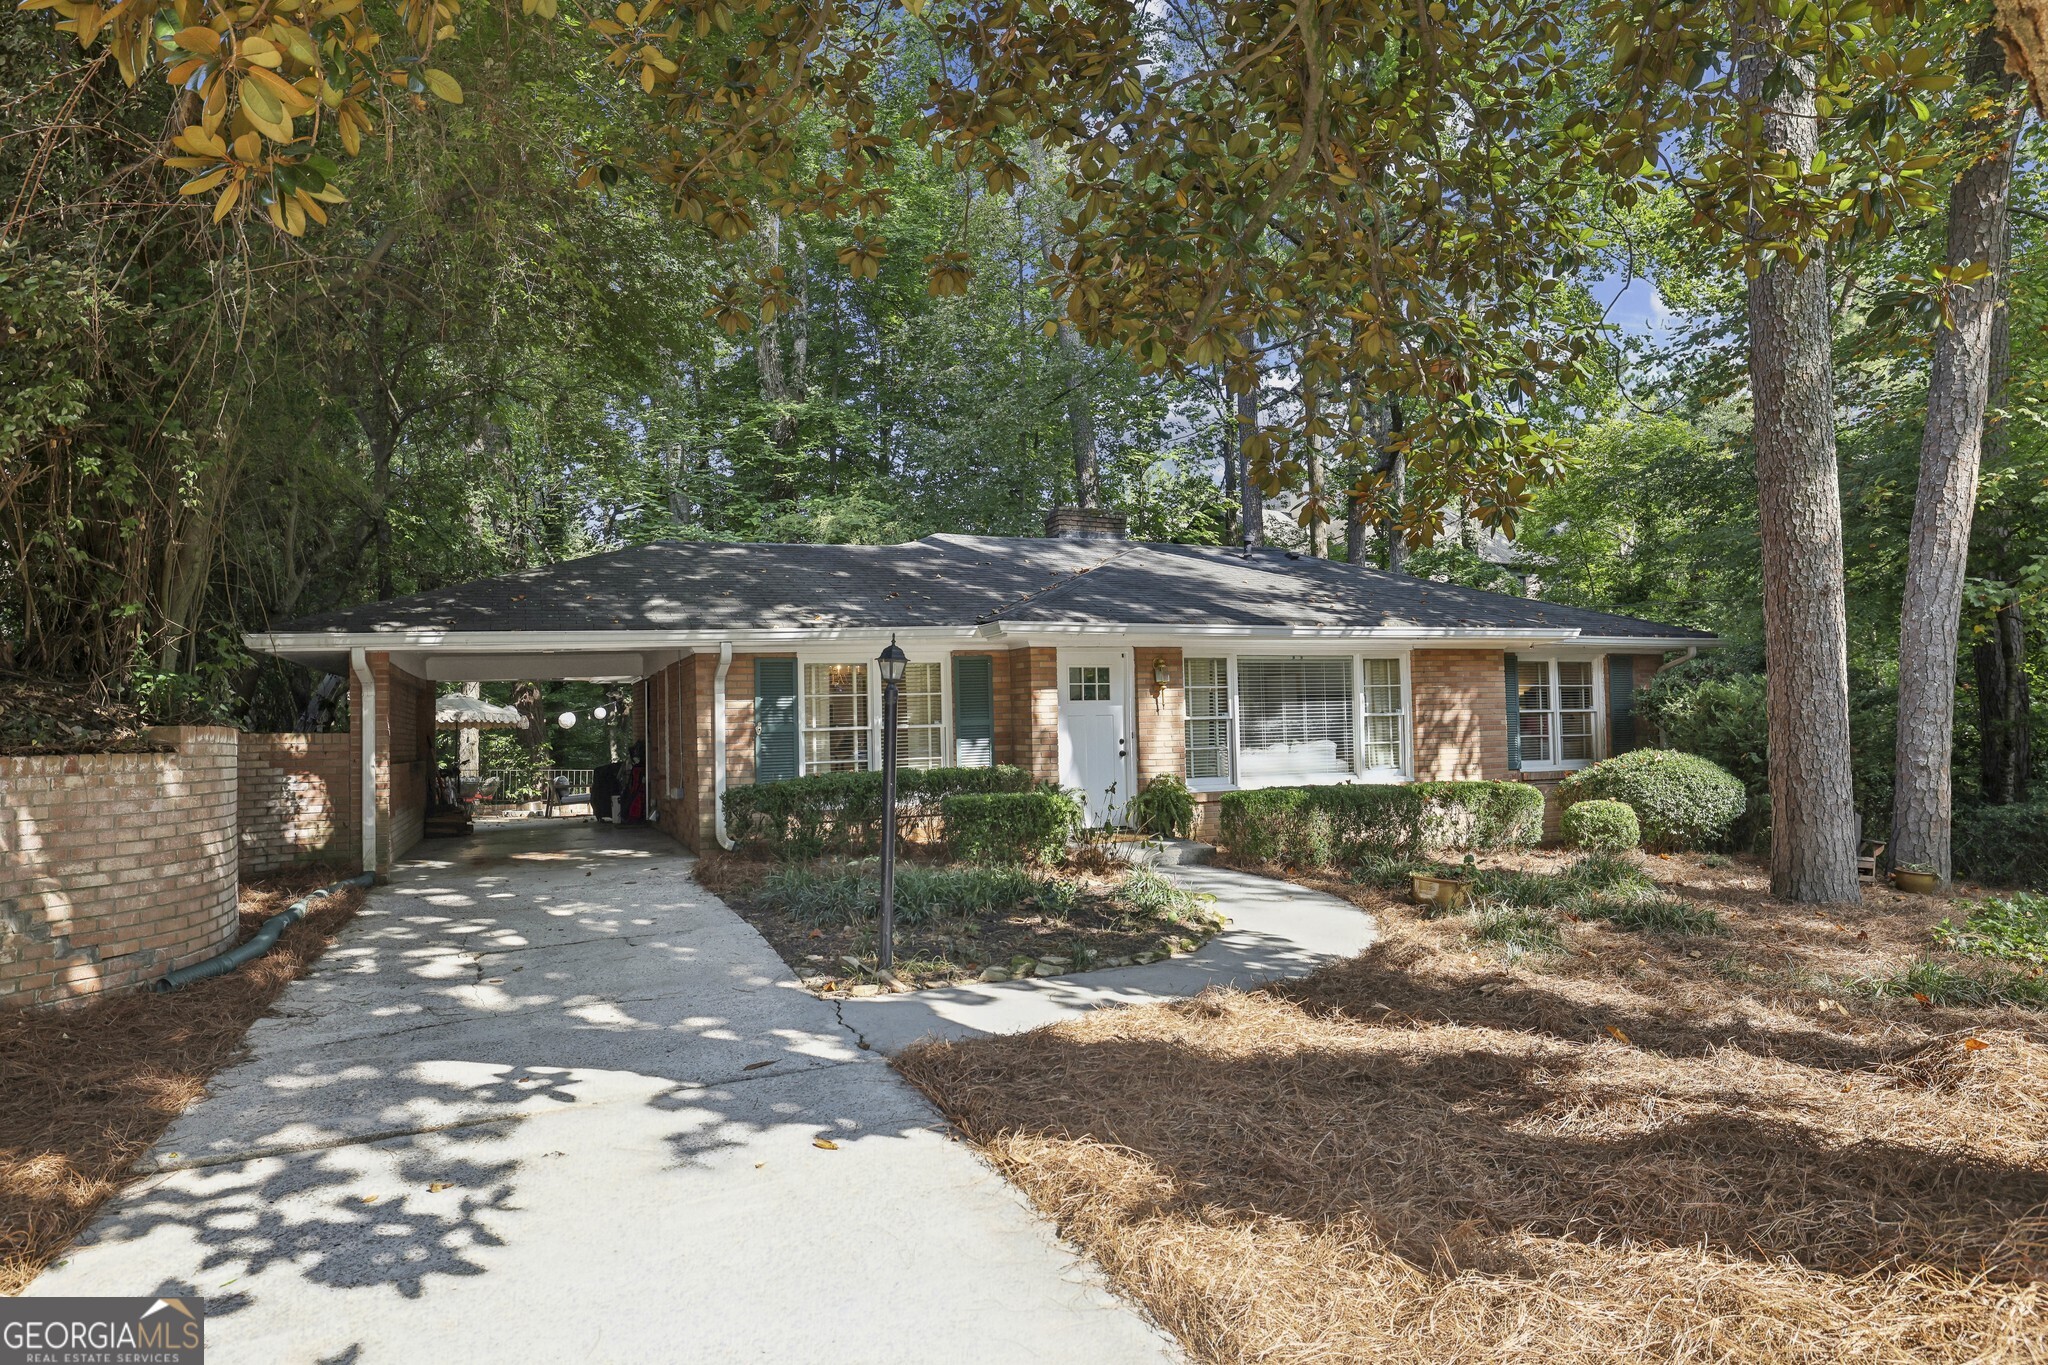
point(1095, 739)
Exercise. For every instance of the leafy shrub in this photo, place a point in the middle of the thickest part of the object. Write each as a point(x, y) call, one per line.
point(2011, 927)
point(1714, 706)
point(852, 892)
point(1348, 824)
point(1164, 807)
point(1680, 800)
point(842, 812)
point(1608, 826)
point(2002, 845)
point(1010, 827)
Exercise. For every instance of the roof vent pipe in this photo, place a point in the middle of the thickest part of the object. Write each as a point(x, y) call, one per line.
point(1086, 523)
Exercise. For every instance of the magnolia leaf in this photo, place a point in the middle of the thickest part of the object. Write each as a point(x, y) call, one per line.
point(228, 199)
point(443, 85)
point(827, 1143)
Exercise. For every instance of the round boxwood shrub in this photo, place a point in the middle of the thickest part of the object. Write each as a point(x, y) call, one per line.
point(1680, 800)
point(1601, 827)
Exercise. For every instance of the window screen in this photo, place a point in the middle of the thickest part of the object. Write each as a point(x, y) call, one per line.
point(1294, 718)
point(1575, 711)
point(1208, 698)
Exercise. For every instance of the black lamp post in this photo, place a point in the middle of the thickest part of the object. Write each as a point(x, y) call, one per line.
point(891, 663)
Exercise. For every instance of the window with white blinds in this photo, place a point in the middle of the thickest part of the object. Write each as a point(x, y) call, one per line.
point(835, 718)
point(1294, 719)
point(1385, 721)
point(921, 738)
point(1559, 713)
point(1208, 703)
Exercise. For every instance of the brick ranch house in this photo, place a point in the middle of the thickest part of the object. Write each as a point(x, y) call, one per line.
point(1085, 657)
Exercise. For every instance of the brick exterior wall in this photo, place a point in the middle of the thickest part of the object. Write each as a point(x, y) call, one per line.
point(115, 868)
point(1461, 714)
point(1034, 683)
point(299, 801)
point(405, 749)
point(1160, 716)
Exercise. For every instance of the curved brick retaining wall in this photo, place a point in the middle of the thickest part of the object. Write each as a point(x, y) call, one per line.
point(115, 868)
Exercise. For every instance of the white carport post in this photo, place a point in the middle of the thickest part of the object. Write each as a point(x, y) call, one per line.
point(366, 749)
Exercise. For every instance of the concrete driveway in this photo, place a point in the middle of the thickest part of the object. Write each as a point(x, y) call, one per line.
point(549, 1100)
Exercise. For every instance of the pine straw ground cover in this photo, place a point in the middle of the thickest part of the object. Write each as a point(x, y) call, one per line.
point(86, 1091)
point(1639, 1147)
point(958, 922)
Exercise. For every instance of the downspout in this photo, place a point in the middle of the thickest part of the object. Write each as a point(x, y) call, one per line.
point(718, 745)
point(1691, 652)
point(366, 751)
point(264, 939)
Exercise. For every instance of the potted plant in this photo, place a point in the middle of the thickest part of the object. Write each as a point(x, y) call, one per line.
point(1447, 891)
point(1916, 879)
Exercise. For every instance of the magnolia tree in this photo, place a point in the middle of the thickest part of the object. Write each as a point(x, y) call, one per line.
point(1390, 203)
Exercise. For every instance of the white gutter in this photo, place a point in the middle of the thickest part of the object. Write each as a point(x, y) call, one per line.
point(718, 745)
point(366, 726)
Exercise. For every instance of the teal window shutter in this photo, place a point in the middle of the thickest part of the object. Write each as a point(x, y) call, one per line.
point(1514, 714)
point(775, 720)
point(1621, 701)
point(974, 711)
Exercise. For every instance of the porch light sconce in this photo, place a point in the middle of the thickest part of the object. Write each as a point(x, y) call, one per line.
point(890, 667)
point(1161, 676)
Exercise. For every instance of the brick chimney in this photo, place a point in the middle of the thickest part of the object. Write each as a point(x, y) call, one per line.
point(1086, 523)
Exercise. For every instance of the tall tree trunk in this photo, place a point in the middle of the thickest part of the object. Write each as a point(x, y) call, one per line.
point(1254, 501)
point(1318, 515)
point(1396, 465)
point(1951, 446)
point(1356, 530)
point(2004, 697)
point(2004, 707)
point(1806, 639)
point(1080, 418)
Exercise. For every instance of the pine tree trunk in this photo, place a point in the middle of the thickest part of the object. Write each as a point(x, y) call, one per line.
point(1080, 419)
point(1397, 495)
point(1951, 446)
point(1318, 515)
point(1813, 843)
point(2004, 704)
point(1254, 496)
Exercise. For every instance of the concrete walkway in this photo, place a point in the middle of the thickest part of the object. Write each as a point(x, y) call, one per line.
point(1276, 930)
point(548, 1100)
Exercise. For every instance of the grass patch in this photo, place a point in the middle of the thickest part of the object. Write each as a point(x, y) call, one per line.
point(86, 1091)
point(1144, 894)
point(1515, 929)
point(2013, 928)
point(1932, 982)
point(1650, 914)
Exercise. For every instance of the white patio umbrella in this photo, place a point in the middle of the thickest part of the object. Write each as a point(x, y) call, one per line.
point(458, 712)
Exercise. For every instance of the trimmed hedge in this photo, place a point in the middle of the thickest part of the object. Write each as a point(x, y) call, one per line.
point(2002, 845)
point(842, 812)
point(1341, 825)
point(1010, 827)
point(1601, 827)
point(1680, 800)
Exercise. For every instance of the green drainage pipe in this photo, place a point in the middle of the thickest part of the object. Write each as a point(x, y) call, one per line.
point(262, 942)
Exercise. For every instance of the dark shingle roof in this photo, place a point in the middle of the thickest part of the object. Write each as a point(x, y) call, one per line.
point(947, 580)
